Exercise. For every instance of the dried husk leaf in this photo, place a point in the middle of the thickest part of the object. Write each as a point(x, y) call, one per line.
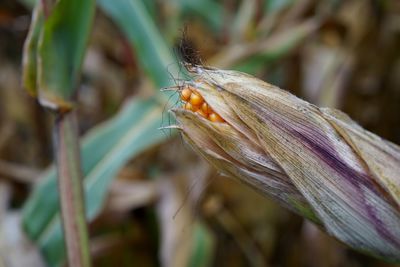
point(316, 161)
point(234, 155)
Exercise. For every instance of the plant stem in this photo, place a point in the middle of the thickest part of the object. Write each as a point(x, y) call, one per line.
point(66, 142)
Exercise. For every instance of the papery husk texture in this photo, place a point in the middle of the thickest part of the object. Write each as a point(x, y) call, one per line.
point(315, 161)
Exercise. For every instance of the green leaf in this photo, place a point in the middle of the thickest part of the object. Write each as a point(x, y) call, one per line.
point(149, 46)
point(273, 6)
point(211, 11)
point(105, 149)
point(29, 62)
point(203, 251)
point(61, 49)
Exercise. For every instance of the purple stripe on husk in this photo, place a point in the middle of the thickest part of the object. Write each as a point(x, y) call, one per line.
point(323, 148)
point(320, 145)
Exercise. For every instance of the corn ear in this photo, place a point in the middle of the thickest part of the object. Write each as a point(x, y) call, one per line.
point(315, 161)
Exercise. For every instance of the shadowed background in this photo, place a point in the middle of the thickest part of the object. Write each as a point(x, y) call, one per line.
point(151, 200)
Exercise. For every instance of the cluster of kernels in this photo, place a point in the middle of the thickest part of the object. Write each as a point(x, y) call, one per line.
point(196, 103)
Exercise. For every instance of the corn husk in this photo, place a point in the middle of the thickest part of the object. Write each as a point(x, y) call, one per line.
point(315, 161)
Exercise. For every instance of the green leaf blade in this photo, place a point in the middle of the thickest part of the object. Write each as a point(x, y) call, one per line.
point(105, 150)
point(142, 33)
point(61, 49)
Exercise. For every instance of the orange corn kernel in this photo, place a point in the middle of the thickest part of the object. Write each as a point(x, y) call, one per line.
point(201, 113)
point(189, 106)
point(206, 108)
point(196, 99)
point(185, 94)
point(195, 102)
point(214, 117)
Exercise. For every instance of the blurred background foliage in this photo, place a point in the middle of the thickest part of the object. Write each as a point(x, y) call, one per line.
point(151, 201)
